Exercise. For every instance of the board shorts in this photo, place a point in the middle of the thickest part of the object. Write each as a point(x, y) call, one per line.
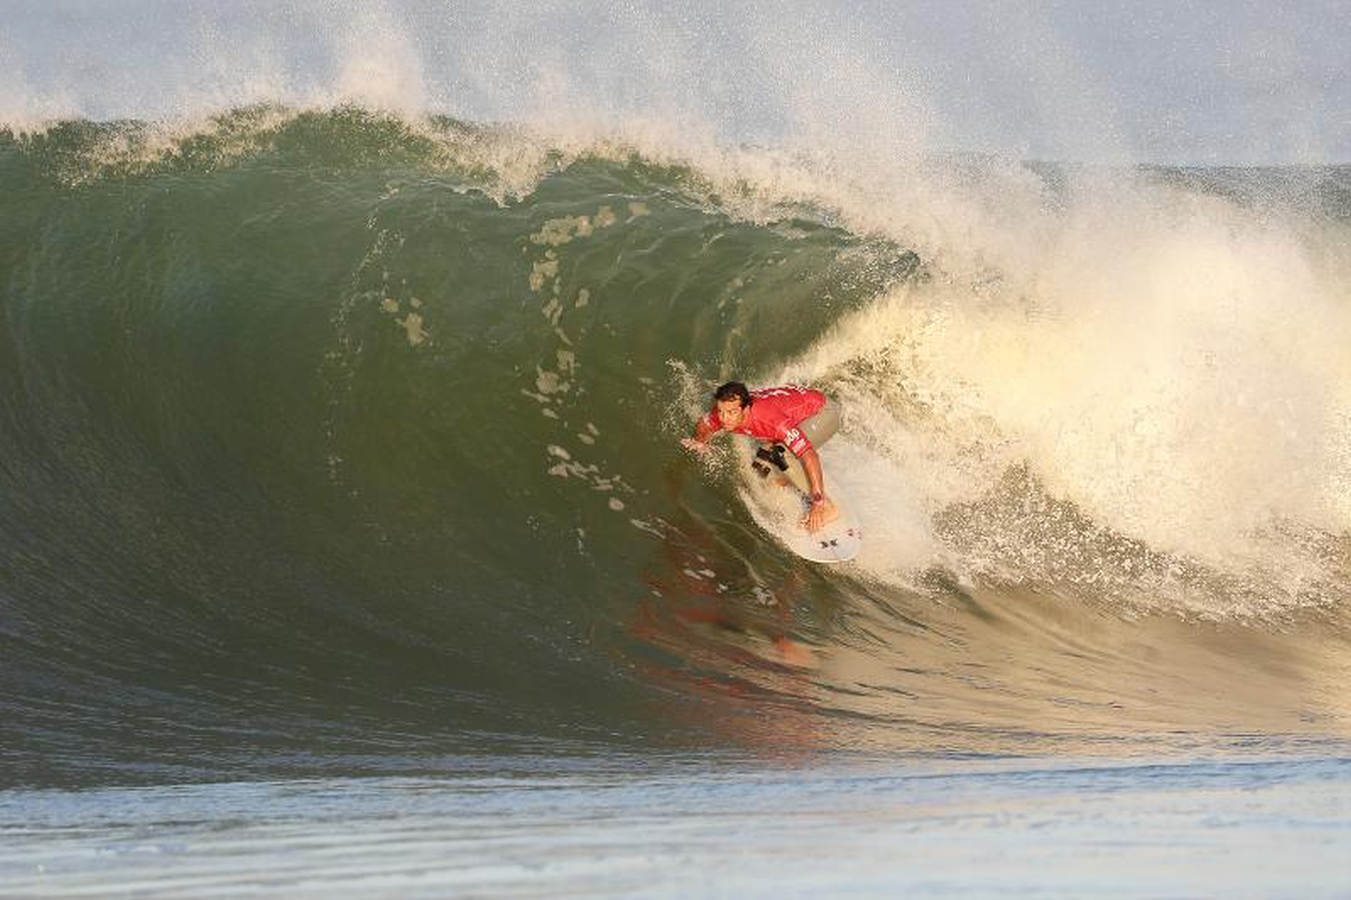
point(817, 428)
point(822, 426)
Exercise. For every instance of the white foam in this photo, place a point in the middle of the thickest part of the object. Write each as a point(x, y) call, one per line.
point(1173, 365)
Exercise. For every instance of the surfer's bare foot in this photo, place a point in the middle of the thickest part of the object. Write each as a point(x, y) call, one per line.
point(821, 515)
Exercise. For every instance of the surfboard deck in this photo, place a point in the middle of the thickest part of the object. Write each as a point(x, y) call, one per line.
point(778, 503)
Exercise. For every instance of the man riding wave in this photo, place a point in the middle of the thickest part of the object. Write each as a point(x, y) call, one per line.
point(792, 418)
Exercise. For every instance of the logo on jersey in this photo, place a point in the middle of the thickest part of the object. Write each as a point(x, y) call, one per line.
point(787, 390)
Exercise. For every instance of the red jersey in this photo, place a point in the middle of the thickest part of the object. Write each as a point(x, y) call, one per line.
point(774, 415)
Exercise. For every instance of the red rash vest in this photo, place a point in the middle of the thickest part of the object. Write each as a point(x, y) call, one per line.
point(774, 415)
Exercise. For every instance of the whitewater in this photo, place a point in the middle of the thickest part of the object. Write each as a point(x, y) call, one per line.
point(345, 527)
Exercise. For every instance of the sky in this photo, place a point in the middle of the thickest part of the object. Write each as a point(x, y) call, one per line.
point(1178, 82)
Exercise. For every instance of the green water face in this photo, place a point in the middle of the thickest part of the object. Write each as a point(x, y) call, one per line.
point(315, 416)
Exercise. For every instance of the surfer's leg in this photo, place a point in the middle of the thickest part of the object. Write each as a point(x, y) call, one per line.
point(822, 426)
point(770, 459)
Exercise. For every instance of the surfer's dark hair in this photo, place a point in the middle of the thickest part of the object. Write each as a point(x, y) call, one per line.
point(733, 389)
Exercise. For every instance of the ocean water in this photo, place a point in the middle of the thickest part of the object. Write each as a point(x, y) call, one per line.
point(347, 545)
point(1203, 828)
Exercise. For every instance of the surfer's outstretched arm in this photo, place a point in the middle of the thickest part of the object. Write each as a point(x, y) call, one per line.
point(703, 430)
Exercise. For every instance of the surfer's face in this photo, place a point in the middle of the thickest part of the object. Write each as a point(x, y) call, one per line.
point(731, 412)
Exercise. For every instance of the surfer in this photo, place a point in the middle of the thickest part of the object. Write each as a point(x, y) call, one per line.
point(791, 418)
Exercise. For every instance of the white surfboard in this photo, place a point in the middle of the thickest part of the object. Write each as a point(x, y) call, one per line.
point(778, 503)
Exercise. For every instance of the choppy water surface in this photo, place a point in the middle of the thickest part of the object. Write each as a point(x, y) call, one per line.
point(1252, 828)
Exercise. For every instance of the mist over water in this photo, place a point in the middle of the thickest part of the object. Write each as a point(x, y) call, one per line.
point(1157, 84)
point(350, 352)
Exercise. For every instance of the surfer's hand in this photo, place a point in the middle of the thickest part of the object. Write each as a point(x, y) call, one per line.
point(697, 446)
point(816, 516)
